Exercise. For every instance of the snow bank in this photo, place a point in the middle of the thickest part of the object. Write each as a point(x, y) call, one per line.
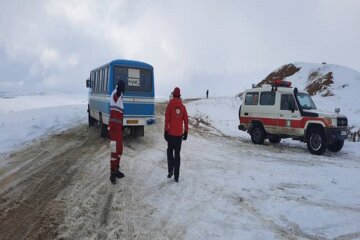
point(222, 113)
point(25, 118)
point(10, 103)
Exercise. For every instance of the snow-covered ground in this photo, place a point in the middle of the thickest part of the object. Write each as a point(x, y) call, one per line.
point(24, 118)
point(229, 188)
point(284, 186)
point(222, 113)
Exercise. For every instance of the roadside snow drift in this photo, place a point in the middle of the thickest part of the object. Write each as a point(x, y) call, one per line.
point(25, 118)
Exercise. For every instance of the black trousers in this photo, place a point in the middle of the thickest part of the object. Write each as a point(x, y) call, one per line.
point(173, 155)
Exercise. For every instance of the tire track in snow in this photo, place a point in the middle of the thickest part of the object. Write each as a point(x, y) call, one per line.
point(29, 206)
point(106, 209)
point(292, 232)
point(128, 202)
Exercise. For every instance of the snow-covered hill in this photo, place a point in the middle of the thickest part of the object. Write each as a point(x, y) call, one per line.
point(331, 86)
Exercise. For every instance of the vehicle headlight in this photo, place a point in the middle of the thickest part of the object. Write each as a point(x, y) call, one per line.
point(331, 122)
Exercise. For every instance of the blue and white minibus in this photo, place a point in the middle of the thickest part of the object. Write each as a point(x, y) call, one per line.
point(139, 107)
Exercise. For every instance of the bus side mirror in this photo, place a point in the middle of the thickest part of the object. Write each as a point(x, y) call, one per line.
point(88, 84)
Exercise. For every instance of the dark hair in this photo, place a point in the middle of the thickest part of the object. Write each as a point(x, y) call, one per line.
point(120, 87)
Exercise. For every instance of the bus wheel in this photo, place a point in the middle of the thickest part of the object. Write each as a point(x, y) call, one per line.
point(336, 146)
point(103, 128)
point(92, 121)
point(316, 141)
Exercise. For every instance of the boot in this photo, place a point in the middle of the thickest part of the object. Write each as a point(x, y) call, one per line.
point(119, 174)
point(113, 177)
point(170, 175)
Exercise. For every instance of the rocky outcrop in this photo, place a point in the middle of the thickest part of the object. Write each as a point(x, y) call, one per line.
point(320, 83)
point(279, 74)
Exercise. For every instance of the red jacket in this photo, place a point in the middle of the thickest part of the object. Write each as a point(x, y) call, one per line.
point(175, 116)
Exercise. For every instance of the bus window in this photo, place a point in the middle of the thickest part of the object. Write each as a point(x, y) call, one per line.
point(102, 80)
point(134, 77)
point(92, 80)
point(120, 73)
point(106, 79)
point(139, 80)
point(97, 80)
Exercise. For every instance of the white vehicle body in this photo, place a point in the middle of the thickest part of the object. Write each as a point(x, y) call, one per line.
point(276, 112)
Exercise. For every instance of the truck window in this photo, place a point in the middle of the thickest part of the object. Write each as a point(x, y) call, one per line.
point(287, 100)
point(252, 98)
point(267, 98)
point(305, 101)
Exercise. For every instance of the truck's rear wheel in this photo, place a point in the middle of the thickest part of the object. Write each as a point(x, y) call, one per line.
point(258, 135)
point(316, 141)
point(336, 146)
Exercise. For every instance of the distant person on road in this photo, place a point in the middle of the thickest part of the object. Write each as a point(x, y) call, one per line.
point(207, 93)
point(115, 130)
point(175, 119)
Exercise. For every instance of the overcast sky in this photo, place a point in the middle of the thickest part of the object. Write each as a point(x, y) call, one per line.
point(222, 46)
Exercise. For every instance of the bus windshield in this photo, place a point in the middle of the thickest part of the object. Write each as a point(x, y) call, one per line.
point(137, 80)
point(305, 101)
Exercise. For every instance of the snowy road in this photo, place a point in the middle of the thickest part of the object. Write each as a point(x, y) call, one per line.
point(228, 189)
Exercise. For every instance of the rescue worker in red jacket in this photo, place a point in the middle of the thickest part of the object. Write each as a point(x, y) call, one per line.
point(115, 130)
point(175, 119)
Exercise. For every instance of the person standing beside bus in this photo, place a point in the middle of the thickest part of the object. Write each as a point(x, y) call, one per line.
point(115, 130)
point(175, 119)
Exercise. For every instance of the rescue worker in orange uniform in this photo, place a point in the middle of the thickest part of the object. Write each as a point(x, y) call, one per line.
point(176, 118)
point(115, 130)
